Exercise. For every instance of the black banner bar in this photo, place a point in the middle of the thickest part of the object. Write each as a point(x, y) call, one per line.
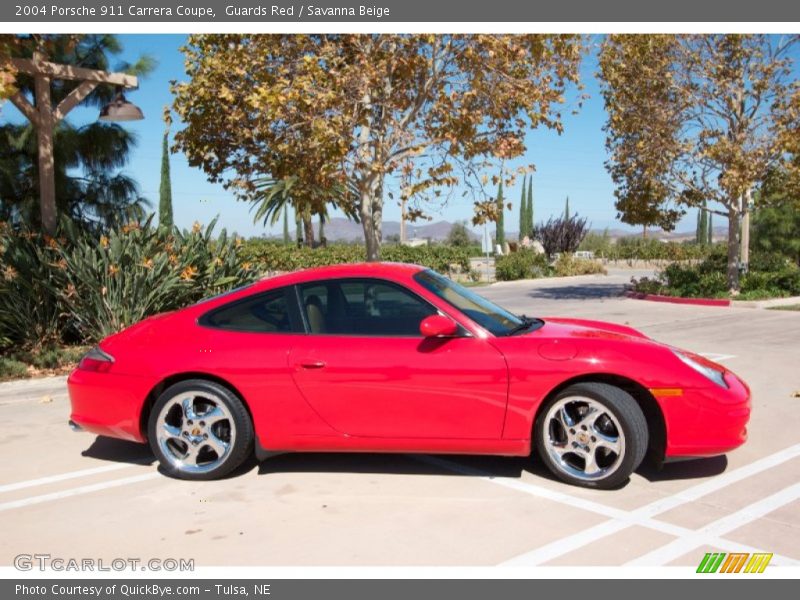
point(458, 11)
point(713, 586)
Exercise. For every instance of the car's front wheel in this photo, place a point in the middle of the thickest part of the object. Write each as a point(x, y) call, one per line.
point(592, 435)
point(199, 429)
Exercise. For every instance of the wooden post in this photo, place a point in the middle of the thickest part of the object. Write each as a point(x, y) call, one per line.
point(46, 126)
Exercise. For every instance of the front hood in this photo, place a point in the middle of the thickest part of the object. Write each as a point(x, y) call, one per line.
point(587, 328)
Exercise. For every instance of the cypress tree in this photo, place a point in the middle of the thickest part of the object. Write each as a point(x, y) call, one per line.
point(697, 232)
point(566, 210)
point(702, 228)
point(523, 215)
point(165, 189)
point(500, 235)
point(529, 210)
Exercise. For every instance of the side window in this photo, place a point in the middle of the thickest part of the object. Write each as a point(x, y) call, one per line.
point(363, 307)
point(263, 313)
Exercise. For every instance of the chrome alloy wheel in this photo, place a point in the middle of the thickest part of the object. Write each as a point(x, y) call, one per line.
point(584, 438)
point(195, 431)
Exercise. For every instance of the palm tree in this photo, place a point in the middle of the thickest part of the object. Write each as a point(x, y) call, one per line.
point(272, 196)
point(89, 187)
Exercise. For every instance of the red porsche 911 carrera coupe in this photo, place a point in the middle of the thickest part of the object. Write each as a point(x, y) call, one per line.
point(397, 358)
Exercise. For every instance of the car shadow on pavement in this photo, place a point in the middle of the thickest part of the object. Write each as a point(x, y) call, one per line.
point(121, 451)
point(697, 468)
point(113, 450)
point(578, 292)
point(401, 464)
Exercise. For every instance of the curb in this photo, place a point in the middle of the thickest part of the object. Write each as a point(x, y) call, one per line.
point(721, 302)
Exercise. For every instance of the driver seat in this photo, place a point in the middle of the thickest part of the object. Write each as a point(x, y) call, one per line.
point(316, 318)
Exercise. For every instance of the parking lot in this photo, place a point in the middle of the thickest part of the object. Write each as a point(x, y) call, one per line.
point(76, 495)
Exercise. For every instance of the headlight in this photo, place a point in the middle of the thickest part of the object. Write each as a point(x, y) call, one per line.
point(710, 372)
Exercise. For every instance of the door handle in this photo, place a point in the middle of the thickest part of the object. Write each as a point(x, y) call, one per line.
point(312, 364)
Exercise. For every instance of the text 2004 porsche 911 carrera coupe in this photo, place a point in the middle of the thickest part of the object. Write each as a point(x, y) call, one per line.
point(396, 358)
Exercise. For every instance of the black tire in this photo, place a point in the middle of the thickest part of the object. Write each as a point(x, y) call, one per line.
point(235, 422)
point(619, 406)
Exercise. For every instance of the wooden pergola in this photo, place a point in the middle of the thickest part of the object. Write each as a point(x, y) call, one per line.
point(44, 116)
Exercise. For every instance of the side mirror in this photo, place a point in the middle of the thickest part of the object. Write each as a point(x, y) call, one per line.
point(437, 326)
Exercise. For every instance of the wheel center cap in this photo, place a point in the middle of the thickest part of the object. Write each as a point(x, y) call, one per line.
point(196, 431)
point(583, 438)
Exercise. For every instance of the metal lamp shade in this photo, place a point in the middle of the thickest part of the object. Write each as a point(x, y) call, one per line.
point(119, 109)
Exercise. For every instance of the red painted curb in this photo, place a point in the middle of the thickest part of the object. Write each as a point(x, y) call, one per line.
point(679, 300)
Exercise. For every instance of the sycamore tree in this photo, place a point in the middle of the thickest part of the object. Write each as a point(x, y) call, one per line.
point(433, 111)
point(693, 119)
point(8, 74)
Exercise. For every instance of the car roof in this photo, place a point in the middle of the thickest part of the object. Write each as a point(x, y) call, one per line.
point(389, 270)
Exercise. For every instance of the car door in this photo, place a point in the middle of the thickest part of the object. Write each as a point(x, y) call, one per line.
point(367, 371)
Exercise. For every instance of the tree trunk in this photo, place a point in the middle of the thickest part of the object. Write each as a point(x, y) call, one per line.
point(745, 242)
point(308, 231)
point(373, 247)
point(733, 250)
point(377, 216)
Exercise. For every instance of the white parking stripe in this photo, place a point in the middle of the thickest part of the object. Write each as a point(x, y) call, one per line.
point(621, 519)
point(86, 489)
point(587, 536)
point(748, 514)
point(20, 485)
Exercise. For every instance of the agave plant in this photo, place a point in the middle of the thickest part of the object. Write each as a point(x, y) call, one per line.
point(30, 315)
point(140, 270)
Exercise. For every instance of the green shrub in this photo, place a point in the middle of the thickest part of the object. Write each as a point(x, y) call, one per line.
point(637, 248)
point(524, 264)
point(265, 255)
point(769, 276)
point(12, 369)
point(599, 243)
point(567, 265)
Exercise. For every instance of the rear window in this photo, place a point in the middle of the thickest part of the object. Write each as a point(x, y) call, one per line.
point(262, 313)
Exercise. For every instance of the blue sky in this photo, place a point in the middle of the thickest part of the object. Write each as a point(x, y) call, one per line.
point(567, 165)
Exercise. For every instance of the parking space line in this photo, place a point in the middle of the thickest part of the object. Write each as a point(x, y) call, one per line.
point(86, 489)
point(720, 527)
point(621, 519)
point(20, 485)
point(587, 536)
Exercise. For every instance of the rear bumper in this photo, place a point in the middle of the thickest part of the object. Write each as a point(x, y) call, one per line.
point(107, 404)
point(708, 421)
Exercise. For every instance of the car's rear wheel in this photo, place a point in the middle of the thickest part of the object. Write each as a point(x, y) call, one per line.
point(199, 429)
point(592, 435)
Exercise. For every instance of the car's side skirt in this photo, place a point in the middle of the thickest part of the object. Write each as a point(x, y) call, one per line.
point(264, 449)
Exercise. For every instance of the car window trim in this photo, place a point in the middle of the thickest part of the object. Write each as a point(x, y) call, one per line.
point(462, 331)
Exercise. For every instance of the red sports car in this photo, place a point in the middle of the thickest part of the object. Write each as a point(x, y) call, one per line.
point(397, 358)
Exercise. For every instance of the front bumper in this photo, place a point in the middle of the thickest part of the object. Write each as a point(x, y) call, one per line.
point(708, 421)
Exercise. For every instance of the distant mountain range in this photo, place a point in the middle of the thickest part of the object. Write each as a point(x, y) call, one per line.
point(340, 229)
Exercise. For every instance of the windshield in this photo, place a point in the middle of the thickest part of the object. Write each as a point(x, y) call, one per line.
point(488, 315)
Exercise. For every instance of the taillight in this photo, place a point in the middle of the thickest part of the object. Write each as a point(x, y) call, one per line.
point(96, 360)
